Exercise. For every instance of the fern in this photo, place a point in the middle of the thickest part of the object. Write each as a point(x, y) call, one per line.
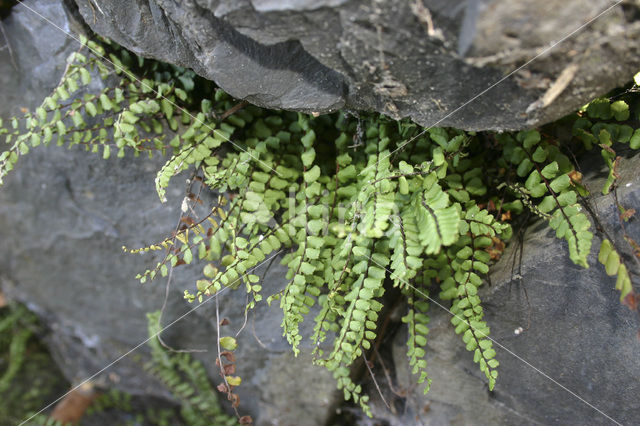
point(355, 204)
point(187, 380)
point(609, 124)
point(547, 177)
point(436, 219)
point(417, 322)
point(603, 123)
point(467, 259)
point(610, 258)
point(16, 323)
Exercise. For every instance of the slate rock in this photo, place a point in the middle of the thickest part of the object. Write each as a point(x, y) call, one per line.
point(64, 216)
point(431, 60)
point(33, 53)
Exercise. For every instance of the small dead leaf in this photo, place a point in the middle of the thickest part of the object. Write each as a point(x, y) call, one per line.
point(607, 148)
point(222, 388)
point(73, 406)
point(632, 243)
point(631, 301)
point(627, 214)
point(229, 369)
point(616, 164)
point(246, 420)
point(188, 220)
point(228, 355)
point(225, 321)
point(575, 176)
point(235, 400)
point(496, 250)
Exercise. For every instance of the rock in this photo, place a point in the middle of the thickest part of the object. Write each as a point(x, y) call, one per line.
point(33, 53)
point(576, 340)
point(64, 216)
point(434, 61)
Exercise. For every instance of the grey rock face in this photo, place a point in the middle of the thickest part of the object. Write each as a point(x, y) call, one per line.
point(33, 54)
point(432, 60)
point(64, 215)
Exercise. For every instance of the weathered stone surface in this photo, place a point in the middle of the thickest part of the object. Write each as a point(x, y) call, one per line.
point(64, 216)
point(423, 59)
point(575, 331)
point(33, 52)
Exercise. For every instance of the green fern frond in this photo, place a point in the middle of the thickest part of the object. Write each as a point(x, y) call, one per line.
point(436, 219)
point(417, 322)
point(547, 176)
point(357, 203)
point(609, 257)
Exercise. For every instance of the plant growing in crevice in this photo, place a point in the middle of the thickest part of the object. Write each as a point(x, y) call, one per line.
point(186, 378)
point(28, 374)
point(612, 124)
point(358, 204)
